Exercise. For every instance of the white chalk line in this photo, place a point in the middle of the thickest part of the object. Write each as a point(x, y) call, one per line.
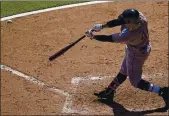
point(76, 80)
point(51, 9)
point(67, 107)
point(34, 80)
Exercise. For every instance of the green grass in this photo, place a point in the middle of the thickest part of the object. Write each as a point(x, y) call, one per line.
point(9, 8)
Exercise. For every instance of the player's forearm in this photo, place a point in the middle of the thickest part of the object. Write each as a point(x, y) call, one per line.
point(104, 38)
point(113, 23)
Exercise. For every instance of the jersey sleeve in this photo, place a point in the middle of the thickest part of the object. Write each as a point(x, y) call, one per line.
point(116, 22)
point(122, 37)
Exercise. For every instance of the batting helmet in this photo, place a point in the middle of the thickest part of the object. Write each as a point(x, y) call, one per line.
point(130, 16)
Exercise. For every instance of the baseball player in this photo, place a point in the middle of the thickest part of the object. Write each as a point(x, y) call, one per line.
point(134, 33)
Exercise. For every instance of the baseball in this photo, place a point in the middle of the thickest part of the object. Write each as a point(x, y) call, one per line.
point(9, 21)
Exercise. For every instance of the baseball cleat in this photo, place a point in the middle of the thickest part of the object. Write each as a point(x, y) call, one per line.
point(108, 94)
point(164, 94)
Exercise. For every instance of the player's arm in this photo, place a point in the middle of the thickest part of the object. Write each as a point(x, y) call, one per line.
point(114, 23)
point(109, 24)
point(104, 38)
point(122, 37)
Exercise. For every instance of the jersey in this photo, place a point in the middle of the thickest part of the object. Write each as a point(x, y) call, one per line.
point(134, 37)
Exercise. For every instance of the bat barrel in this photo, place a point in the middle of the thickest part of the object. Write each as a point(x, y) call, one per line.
point(63, 50)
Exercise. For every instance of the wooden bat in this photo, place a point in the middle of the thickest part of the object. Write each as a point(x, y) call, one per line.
point(63, 50)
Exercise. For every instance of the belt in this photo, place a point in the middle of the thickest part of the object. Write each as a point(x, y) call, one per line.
point(140, 48)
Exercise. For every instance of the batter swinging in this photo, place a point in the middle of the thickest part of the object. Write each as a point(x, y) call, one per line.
point(134, 33)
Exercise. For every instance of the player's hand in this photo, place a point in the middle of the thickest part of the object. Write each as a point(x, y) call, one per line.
point(89, 34)
point(97, 27)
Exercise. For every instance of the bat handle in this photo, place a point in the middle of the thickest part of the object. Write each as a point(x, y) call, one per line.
point(90, 30)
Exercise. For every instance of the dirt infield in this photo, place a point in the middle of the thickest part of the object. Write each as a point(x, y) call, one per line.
point(27, 43)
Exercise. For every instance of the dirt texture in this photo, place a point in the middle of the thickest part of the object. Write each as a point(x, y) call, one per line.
point(27, 43)
point(20, 97)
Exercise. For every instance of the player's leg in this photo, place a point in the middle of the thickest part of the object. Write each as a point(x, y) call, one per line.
point(134, 68)
point(108, 93)
point(120, 78)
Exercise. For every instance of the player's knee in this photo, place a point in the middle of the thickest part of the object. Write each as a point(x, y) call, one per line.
point(134, 83)
point(123, 71)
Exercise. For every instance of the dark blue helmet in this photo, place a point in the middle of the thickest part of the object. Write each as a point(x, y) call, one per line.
point(130, 16)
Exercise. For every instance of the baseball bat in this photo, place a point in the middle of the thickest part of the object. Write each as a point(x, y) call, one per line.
point(63, 50)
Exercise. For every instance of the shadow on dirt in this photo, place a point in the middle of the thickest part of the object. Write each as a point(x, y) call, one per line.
point(119, 110)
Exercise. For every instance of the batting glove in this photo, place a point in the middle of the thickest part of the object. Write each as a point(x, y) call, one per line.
point(89, 33)
point(97, 27)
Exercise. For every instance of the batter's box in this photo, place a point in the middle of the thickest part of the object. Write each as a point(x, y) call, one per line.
point(82, 101)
